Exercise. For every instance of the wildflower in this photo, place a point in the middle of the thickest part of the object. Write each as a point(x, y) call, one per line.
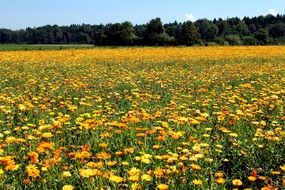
point(103, 145)
point(116, 179)
point(22, 107)
point(135, 186)
point(47, 135)
point(237, 182)
point(220, 180)
point(89, 172)
point(67, 187)
point(252, 178)
point(32, 171)
point(34, 157)
point(219, 174)
point(275, 173)
point(134, 174)
point(66, 174)
point(103, 155)
point(146, 177)
point(43, 146)
point(195, 167)
point(162, 187)
point(197, 182)
point(233, 135)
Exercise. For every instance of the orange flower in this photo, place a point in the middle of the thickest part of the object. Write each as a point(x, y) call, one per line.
point(103, 155)
point(34, 157)
point(43, 146)
point(32, 171)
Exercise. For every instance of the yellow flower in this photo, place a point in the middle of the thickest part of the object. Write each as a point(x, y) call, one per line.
point(22, 107)
point(134, 174)
point(89, 172)
point(233, 135)
point(252, 178)
point(220, 180)
point(146, 177)
point(282, 168)
point(111, 163)
point(116, 179)
point(47, 135)
point(67, 187)
point(135, 186)
point(162, 187)
point(197, 182)
point(219, 174)
point(237, 182)
point(195, 167)
point(275, 173)
point(66, 174)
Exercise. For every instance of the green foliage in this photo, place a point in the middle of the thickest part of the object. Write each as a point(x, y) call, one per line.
point(189, 34)
point(265, 29)
point(220, 40)
point(207, 30)
point(233, 39)
point(262, 36)
point(249, 40)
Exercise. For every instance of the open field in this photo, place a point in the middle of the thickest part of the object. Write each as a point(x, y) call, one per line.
point(143, 118)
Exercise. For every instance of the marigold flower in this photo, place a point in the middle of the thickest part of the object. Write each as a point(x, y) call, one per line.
point(197, 182)
point(252, 178)
point(34, 157)
point(162, 187)
point(220, 180)
point(116, 179)
point(237, 182)
point(195, 167)
point(67, 187)
point(32, 171)
point(136, 186)
point(47, 135)
point(66, 174)
point(146, 177)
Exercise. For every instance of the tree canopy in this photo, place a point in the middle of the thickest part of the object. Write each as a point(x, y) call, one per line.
point(261, 30)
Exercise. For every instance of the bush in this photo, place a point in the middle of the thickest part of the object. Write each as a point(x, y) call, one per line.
point(220, 41)
point(233, 40)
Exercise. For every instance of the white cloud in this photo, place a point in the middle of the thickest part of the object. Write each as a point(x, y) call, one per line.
point(272, 12)
point(190, 17)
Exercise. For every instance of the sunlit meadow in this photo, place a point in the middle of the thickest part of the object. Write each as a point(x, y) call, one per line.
point(143, 118)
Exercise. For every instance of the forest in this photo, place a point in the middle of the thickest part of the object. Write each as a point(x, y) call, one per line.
point(261, 30)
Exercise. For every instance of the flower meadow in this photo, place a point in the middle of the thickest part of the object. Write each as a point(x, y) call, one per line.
point(143, 118)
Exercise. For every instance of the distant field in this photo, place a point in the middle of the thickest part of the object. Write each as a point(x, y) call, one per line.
point(143, 118)
point(28, 47)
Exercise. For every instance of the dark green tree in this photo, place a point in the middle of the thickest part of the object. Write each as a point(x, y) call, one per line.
point(156, 34)
point(189, 34)
point(207, 30)
point(262, 36)
point(277, 30)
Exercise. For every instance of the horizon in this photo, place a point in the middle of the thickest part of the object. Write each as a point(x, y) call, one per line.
point(18, 15)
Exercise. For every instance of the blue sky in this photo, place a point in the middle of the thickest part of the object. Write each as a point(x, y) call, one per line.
point(17, 14)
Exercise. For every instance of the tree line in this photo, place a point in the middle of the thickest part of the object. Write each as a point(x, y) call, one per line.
point(261, 30)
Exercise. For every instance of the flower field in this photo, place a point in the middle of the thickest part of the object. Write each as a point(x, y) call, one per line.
point(143, 118)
